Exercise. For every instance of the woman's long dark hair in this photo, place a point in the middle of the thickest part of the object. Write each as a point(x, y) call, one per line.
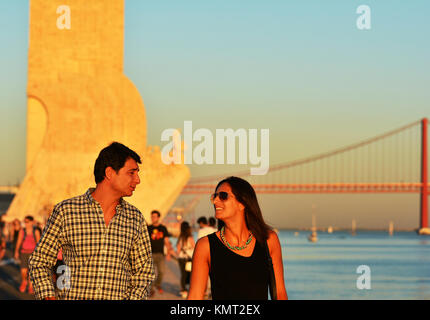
point(245, 194)
point(185, 232)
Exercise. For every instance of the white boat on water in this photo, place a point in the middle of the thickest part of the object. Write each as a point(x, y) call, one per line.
point(353, 227)
point(391, 228)
point(313, 237)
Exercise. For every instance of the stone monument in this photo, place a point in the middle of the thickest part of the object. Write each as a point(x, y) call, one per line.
point(79, 101)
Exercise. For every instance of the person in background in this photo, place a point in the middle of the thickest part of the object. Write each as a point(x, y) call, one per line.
point(204, 228)
point(28, 238)
point(184, 250)
point(212, 224)
point(235, 257)
point(159, 237)
point(14, 233)
point(2, 239)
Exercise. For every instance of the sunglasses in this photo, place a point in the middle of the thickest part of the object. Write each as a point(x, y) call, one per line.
point(223, 196)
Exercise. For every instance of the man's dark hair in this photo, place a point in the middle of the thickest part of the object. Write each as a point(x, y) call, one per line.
point(115, 155)
point(202, 220)
point(156, 212)
point(212, 222)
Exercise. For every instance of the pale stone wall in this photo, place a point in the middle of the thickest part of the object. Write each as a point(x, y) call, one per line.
point(79, 102)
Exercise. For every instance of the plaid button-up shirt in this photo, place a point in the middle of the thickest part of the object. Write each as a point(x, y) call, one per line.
point(103, 262)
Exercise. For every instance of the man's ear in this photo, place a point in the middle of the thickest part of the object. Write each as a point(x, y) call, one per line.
point(109, 171)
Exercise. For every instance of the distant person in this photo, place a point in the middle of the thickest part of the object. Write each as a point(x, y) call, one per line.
point(2, 238)
point(204, 228)
point(14, 233)
point(235, 257)
point(104, 239)
point(212, 224)
point(2, 246)
point(159, 240)
point(184, 249)
point(28, 238)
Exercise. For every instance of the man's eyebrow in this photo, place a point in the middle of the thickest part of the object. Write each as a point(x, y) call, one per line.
point(134, 169)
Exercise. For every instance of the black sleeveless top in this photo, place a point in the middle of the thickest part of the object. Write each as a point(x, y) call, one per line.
point(234, 277)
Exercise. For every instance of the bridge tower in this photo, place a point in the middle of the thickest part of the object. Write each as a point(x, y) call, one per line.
point(424, 229)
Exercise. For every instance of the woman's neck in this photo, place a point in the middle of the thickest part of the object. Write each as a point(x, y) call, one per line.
point(236, 234)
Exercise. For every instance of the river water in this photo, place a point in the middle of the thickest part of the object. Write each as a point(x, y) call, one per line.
point(398, 265)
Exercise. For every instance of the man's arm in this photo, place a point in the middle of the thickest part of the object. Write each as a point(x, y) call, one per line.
point(142, 267)
point(44, 257)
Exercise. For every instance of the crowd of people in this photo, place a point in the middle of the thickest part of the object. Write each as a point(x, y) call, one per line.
point(162, 249)
point(21, 238)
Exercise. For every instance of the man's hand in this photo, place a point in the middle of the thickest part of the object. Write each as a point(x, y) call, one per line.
point(49, 298)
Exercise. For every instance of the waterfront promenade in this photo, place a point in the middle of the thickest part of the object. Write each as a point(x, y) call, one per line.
point(10, 280)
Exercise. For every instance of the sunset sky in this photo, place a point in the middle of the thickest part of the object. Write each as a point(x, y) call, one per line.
point(301, 69)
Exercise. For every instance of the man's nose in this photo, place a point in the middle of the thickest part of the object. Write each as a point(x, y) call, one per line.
point(137, 178)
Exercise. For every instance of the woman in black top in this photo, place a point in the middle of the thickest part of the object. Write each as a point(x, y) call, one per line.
point(235, 256)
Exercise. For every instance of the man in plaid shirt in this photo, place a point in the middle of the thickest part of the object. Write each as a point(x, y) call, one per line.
point(105, 242)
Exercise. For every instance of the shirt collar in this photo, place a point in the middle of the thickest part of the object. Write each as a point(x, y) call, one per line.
point(90, 199)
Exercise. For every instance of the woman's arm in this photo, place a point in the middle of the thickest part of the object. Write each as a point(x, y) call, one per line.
point(278, 267)
point(200, 271)
point(191, 242)
point(37, 235)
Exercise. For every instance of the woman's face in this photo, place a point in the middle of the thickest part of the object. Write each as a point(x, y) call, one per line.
point(16, 224)
point(228, 208)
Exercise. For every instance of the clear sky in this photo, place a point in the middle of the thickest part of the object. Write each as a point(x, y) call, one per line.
point(299, 68)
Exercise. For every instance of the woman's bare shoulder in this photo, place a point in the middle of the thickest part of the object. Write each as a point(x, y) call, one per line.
point(273, 239)
point(203, 242)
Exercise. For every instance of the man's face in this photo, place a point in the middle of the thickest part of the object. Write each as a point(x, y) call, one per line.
point(155, 218)
point(127, 178)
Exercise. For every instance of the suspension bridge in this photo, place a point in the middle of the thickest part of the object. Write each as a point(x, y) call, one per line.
point(392, 162)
